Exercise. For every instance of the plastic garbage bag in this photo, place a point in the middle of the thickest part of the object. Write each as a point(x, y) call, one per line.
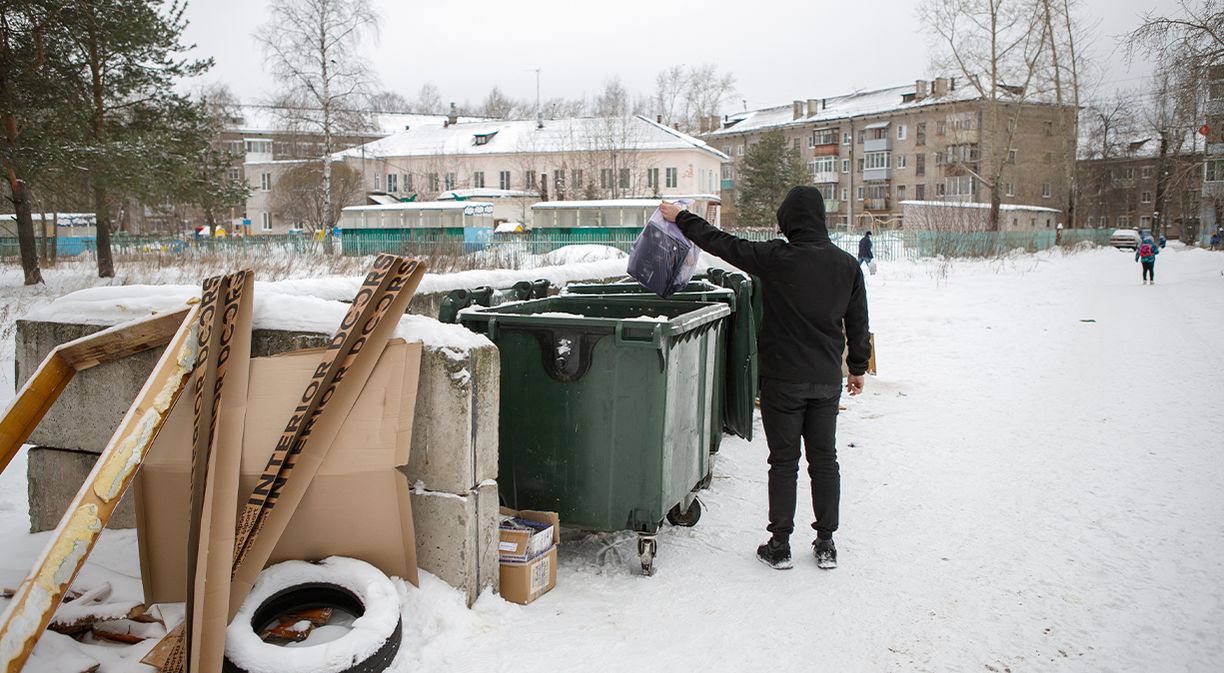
point(661, 258)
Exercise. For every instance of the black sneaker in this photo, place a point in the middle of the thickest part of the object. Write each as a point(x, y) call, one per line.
point(826, 554)
point(775, 554)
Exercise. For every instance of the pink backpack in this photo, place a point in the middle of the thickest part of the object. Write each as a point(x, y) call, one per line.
point(1145, 250)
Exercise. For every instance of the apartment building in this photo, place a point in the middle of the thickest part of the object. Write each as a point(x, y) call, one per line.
point(560, 159)
point(1120, 185)
point(869, 151)
point(1212, 208)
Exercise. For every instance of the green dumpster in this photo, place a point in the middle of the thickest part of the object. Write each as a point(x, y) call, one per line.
point(606, 407)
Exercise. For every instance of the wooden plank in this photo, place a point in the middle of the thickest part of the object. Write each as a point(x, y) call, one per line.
point(44, 587)
point(48, 382)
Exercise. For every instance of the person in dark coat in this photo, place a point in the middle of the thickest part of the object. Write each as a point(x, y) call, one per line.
point(865, 254)
point(815, 306)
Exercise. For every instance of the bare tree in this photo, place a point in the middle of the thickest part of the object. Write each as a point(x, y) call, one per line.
point(429, 100)
point(707, 92)
point(497, 105)
point(312, 47)
point(299, 198)
point(613, 100)
point(670, 99)
point(997, 46)
point(388, 101)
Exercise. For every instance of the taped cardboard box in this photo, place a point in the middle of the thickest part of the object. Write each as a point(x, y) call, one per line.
point(358, 503)
point(527, 551)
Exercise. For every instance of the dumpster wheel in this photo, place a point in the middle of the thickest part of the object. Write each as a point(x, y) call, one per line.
point(647, 546)
point(688, 518)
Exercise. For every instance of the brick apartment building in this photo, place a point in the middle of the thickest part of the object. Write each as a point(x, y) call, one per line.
point(869, 151)
point(1122, 189)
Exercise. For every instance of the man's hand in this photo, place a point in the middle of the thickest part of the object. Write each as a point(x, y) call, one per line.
point(854, 384)
point(670, 210)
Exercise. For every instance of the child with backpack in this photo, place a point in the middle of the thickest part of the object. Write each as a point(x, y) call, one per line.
point(1145, 254)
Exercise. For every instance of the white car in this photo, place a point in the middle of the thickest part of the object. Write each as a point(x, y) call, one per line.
point(1125, 239)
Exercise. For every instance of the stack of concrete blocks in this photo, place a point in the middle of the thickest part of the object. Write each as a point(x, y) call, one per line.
point(453, 460)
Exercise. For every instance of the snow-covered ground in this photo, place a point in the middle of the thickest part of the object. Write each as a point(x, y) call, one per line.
point(1032, 483)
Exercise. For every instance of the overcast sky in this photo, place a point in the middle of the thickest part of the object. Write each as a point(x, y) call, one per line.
point(778, 50)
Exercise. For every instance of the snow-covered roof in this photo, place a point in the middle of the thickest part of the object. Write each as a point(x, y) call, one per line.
point(605, 203)
point(421, 205)
point(269, 119)
point(857, 104)
point(580, 134)
point(485, 193)
point(1139, 145)
point(969, 204)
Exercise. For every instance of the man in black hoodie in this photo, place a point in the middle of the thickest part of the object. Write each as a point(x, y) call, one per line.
point(815, 305)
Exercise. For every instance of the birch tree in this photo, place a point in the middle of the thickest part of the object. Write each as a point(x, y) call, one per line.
point(313, 49)
point(997, 47)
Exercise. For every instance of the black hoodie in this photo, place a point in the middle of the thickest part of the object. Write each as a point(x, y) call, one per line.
point(815, 301)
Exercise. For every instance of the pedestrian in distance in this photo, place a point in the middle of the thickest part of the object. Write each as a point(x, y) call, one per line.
point(865, 253)
point(815, 306)
point(1145, 254)
point(1215, 240)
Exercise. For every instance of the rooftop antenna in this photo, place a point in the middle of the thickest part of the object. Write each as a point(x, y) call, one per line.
point(745, 103)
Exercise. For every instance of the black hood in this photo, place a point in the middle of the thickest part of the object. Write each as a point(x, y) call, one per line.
point(802, 216)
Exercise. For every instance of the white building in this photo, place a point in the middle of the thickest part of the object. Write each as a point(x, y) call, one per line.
point(967, 216)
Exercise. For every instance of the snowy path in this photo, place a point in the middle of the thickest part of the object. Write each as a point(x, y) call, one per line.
point(1022, 491)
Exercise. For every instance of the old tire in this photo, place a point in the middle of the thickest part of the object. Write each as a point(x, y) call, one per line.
point(687, 518)
point(350, 585)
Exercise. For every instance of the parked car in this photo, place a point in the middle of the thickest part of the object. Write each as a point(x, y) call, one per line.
point(1125, 239)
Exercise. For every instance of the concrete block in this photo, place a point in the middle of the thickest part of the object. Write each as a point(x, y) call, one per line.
point(454, 429)
point(89, 410)
point(456, 537)
point(54, 476)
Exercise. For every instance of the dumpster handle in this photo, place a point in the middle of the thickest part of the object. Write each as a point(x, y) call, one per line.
point(655, 340)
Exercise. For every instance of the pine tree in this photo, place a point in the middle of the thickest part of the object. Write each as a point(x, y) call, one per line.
point(769, 171)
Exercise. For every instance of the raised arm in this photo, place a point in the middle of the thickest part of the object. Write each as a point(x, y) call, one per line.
point(746, 255)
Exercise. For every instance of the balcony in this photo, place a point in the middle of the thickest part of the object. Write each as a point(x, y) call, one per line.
point(727, 183)
point(825, 177)
point(875, 204)
point(833, 205)
point(875, 174)
point(878, 144)
point(827, 150)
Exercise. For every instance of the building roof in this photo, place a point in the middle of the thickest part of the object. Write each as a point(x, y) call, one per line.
point(485, 193)
point(604, 203)
point(581, 134)
point(858, 104)
point(1139, 146)
point(419, 205)
point(269, 119)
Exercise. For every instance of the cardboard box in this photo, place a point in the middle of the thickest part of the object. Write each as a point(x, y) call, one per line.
point(522, 583)
point(358, 503)
point(527, 550)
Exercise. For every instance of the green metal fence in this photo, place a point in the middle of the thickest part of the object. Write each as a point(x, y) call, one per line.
point(888, 245)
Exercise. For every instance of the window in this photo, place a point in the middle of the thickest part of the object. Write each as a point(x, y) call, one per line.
point(392, 182)
point(824, 137)
point(478, 179)
point(259, 146)
point(1011, 156)
point(860, 193)
point(878, 134)
point(828, 190)
point(558, 179)
point(728, 171)
point(1147, 171)
point(449, 181)
point(652, 178)
point(939, 189)
point(862, 136)
point(625, 178)
point(901, 131)
point(845, 165)
point(941, 127)
point(795, 144)
point(739, 151)
point(877, 191)
point(576, 178)
point(265, 222)
point(377, 182)
point(1046, 190)
point(503, 179)
point(1124, 221)
point(1145, 197)
point(233, 174)
point(1128, 173)
point(962, 153)
point(605, 178)
point(407, 180)
point(671, 176)
point(900, 192)
point(1215, 170)
point(874, 160)
point(529, 179)
point(822, 165)
point(959, 185)
point(845, 193)
point(920, 191)
point(920, 134)
point(1089, 221)
point(1145, 222)
point(433, 182)
point(920, 164)
point(902, 160)
point(1009, 189)
point(265, 182)
point(846, 138)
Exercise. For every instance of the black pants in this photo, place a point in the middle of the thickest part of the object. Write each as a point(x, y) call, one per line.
point(792, 412)
point(1149, 270)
